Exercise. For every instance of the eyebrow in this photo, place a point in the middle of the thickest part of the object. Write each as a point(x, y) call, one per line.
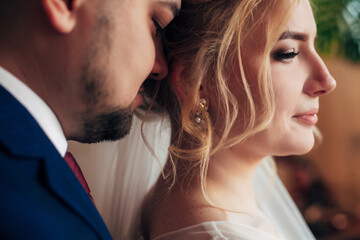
point(293, 35)
point(173, 5)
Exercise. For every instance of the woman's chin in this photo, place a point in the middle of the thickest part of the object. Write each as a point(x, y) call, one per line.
point(299, 146)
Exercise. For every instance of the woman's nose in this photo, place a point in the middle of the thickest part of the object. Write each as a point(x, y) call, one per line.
point(320, 81)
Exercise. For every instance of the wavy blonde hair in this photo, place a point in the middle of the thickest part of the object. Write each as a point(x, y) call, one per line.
point(207, 38)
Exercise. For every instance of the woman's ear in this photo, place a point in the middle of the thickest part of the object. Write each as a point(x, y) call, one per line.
point(61, 14)
point(176, 70)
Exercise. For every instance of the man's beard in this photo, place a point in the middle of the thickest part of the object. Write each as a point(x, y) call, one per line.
point(107, 126)
point(102, 121)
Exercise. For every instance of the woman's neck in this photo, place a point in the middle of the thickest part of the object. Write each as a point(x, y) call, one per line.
point(229, 187)
point(230, 179)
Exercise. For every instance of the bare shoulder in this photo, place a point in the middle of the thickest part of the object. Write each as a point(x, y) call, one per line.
point(176, 210)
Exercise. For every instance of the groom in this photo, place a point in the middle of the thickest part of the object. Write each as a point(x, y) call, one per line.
point(69, 70)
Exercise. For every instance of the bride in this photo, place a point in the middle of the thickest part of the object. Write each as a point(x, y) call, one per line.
point(245, 84)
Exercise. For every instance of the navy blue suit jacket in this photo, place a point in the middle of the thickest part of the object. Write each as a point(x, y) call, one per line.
point(40, 197)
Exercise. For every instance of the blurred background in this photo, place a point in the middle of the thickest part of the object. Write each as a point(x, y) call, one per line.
point(325, 184)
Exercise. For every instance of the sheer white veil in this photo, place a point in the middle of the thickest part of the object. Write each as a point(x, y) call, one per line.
point(121, 173)
point(275, 202)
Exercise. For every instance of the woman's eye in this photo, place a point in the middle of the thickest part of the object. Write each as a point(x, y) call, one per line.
point(158, 28)
point(285, 56)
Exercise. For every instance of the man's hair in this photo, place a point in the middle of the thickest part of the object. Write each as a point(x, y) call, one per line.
point(11, 13)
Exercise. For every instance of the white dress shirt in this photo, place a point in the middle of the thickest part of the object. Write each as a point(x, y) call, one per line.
point(38, 109)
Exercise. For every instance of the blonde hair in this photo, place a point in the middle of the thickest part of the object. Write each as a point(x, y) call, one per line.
point(207, 39)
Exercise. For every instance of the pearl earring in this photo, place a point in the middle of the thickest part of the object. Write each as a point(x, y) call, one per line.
point(198, 116)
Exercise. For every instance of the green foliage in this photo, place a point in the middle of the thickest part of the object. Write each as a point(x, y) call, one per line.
point(338, 24)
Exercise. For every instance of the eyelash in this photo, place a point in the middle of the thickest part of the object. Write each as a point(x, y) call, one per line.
point(158, 28)
point(284, 56)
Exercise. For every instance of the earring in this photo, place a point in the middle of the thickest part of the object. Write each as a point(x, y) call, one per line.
point(204, 104)
point(198, 115)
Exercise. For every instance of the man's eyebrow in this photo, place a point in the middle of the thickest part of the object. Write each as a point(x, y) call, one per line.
point(293, 35)
point(173, 5)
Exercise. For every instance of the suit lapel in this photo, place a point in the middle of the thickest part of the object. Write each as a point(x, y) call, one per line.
point(23, 137)
point(64, 183)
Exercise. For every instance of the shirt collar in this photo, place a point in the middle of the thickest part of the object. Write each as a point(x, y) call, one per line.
point(39, 110)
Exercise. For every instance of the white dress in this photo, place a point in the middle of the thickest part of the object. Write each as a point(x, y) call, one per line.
point(219, 230)
point(273, 200)
point(121, 173)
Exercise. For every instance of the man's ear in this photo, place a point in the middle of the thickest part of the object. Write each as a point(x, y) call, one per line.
point(61, 14)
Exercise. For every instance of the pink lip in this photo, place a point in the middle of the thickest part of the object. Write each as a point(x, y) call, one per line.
point(309, 117)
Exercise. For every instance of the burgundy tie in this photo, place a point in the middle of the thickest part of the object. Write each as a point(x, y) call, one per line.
point(69, 158)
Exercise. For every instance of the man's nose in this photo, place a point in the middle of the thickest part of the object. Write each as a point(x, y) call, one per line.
point(160, 68)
